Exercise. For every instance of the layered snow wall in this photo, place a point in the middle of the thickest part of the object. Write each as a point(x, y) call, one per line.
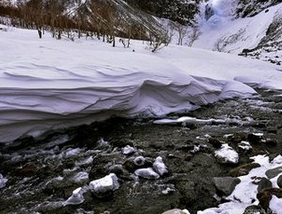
point(48, 84)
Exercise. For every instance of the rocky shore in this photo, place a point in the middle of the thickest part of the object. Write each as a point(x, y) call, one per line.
point(137, 166)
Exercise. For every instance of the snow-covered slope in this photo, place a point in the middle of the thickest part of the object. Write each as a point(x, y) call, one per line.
point(48, 84)
point(257, 35)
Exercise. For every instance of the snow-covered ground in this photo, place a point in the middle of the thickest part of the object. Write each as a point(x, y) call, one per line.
point(48, 84)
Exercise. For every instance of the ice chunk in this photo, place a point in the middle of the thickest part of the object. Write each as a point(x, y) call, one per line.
point(75, 198)
point(103, 185)
point(80, 177)
point(159, 166)
point(3, 181)
point(72, 152)
point(127, 150)
point(147, 173)
point(245, 145)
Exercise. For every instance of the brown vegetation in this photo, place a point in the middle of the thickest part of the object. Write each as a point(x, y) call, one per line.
point(104, 19)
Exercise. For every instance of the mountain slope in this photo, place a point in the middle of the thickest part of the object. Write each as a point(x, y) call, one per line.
point(257, 35)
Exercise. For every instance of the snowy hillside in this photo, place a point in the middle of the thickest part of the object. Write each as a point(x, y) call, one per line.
point(67, 83)
point(257, 35)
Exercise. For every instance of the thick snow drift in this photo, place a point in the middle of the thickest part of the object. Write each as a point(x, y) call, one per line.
point(48, 84)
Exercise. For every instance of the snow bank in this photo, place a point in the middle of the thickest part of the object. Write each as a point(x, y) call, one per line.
point(50, 84)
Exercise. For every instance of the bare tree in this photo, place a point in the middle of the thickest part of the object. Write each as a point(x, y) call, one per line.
point(182, 31)
point(193, 36)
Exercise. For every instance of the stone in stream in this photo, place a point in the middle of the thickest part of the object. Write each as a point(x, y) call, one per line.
point(255, 138)
point(254, 209)
point(243, 169)
point(226, 185)
point(263, 184)
point(216, 143)
point(139, 161)
point(147, 173)
point(272, 173)
point(265, 196)
point(279, 181)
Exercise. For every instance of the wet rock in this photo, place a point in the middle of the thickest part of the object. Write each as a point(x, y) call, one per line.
point(271, 142)
point(147, 173)
point(139, 161)
point(279, 181)
point(131, 164)
point(236, 137)
point(263, 184)
point(226, 185)
point(265, 196)
point(272, 173)
point(216, 143)
point(254, 209)
point(188, 190)
point(255, 138)
point(242, 170)
point(116, 169)
point(176, 211)
point(29, 169)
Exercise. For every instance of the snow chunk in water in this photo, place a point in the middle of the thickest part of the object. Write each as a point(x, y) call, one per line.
point(245, 145)
point(227, 154)
point(147, 173)
point(80, 177)
point(3, 181)
point(105, 184)
point(75, 198)
point(127, 150)
point(159, 166)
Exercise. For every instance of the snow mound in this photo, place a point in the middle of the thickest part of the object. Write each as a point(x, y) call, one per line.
point(48, 84)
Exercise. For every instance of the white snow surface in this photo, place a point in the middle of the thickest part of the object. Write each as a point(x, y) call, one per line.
point(49, 84)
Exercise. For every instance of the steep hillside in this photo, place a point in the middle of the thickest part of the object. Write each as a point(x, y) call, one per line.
point(249, 28)
point(106, 19)
point(232, 27)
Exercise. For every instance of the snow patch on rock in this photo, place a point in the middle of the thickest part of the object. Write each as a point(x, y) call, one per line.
point(227, 154)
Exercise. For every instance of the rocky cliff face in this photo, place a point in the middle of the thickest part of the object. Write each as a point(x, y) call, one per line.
point(249, 8)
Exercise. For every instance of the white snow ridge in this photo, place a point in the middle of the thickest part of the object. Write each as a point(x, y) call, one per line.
point(48, 84)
